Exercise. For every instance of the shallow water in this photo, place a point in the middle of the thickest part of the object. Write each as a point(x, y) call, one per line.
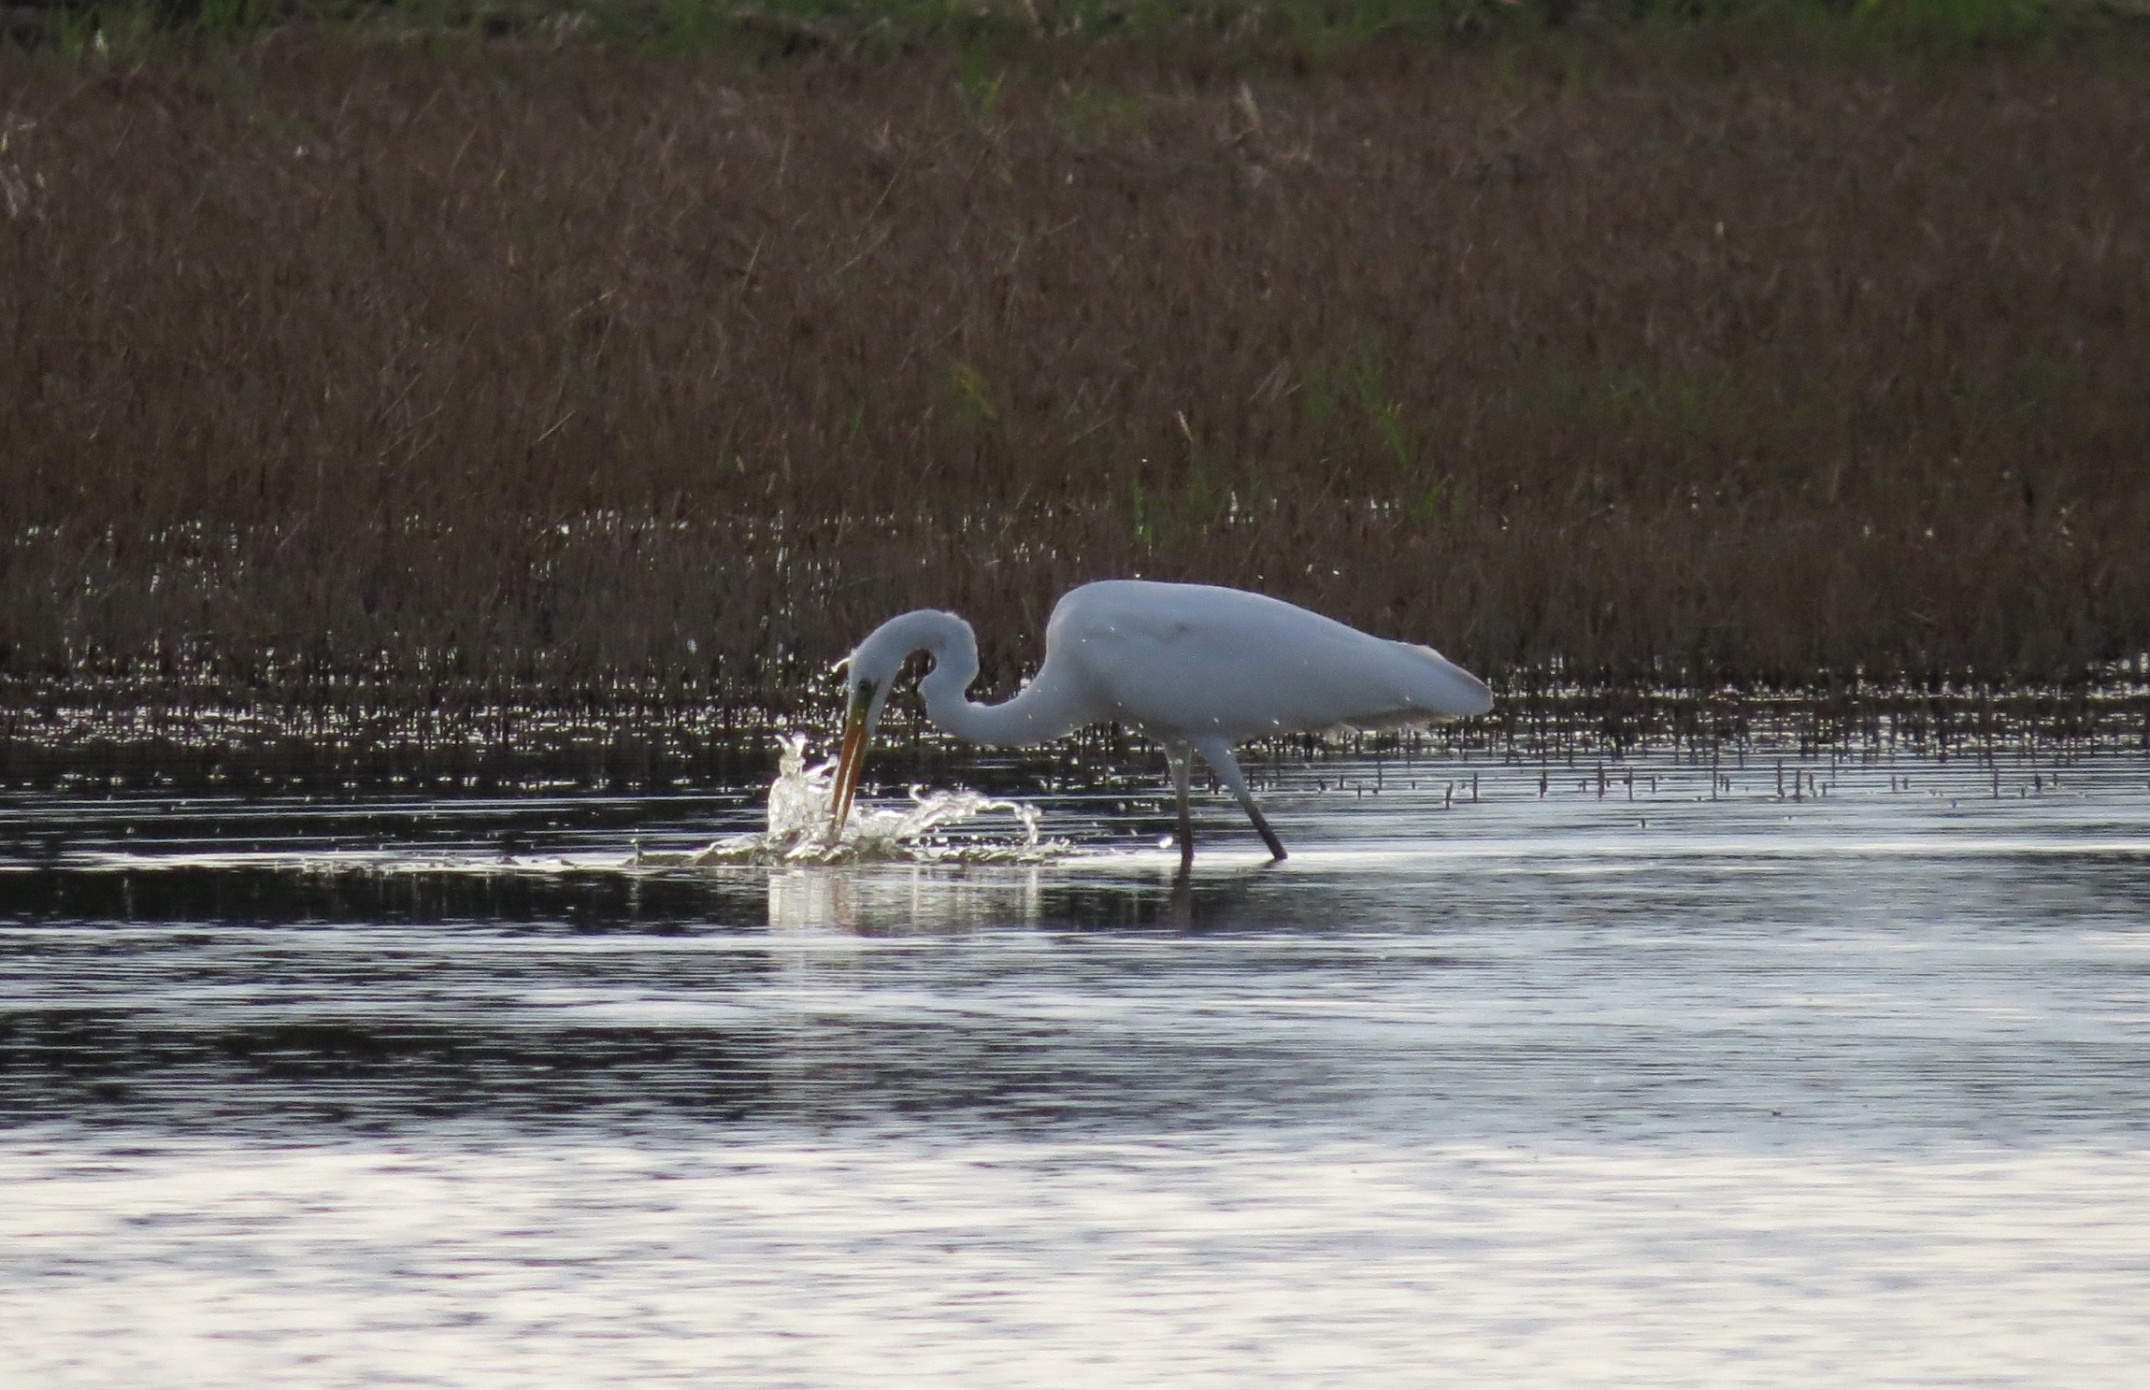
point(1675, 1080)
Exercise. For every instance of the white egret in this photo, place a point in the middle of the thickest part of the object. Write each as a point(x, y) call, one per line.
point(1194, 667)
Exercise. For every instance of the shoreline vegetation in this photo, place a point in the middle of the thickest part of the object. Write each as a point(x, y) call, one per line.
point(155, 736)
point(391, 367)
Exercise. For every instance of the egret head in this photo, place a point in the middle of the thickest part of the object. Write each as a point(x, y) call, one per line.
point(873, 667)
point(868, 673)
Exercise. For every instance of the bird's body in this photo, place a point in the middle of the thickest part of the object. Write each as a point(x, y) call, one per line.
point(1195, 667)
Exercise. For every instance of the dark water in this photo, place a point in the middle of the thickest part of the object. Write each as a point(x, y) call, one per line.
point(1670, 1080)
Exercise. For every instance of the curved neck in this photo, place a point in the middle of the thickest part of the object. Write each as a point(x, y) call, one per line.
point(1041, 711)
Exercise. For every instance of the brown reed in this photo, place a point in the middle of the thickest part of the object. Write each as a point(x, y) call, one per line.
point(1623, 356)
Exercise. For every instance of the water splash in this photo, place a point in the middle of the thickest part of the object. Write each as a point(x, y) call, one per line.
point(799, 808)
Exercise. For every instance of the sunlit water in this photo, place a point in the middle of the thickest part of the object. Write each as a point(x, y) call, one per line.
point(1688, 1076)
point(799, 829)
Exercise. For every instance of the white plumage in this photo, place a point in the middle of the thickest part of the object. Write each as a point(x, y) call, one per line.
point(1195, 667)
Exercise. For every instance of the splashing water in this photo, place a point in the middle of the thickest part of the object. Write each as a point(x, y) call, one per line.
point(799, 808)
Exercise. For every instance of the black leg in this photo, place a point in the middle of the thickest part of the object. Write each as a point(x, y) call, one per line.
point(1176, 754)
point(1218, 754)
point(1269, 837)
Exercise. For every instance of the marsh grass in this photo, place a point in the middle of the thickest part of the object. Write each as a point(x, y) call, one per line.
point(522, 368)
point(1234, 32)
point(155, 735)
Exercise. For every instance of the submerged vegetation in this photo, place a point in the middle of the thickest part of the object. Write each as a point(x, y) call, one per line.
point(612, 361)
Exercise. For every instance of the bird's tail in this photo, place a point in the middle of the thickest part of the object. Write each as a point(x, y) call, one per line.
point(1449, 690)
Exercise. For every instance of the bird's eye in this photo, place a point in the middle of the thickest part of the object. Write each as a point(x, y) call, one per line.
point(865, 690)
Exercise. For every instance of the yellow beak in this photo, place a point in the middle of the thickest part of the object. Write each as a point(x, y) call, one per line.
point(849, 763)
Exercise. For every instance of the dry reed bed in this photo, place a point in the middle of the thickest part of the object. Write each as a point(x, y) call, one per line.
point(551, 369)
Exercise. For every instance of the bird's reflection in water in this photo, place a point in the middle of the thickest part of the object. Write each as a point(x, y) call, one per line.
point(902, 901)
point(926, 900)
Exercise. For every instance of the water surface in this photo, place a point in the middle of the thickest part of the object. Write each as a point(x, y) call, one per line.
point(1820, 1073)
